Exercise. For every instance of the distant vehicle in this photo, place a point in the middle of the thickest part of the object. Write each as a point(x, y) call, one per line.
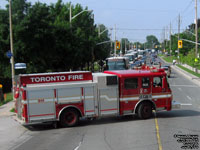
point(117, 63)
point(154, 55)
point(156, 64)
point(131, 57)
point(141, 53)
point(138, 63)
point(129, 51)
point(153, 50)
point(144, 58)
point(167, 70)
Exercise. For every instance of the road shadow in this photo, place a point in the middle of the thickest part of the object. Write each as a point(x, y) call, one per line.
point(41, 127)
point(109, 120)
point(85, 122)
point(177, 113)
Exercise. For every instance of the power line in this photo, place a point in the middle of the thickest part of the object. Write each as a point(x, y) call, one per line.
point(188, 6)
point(149, 29)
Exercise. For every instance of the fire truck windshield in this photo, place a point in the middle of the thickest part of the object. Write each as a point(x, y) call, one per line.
point(116, 65)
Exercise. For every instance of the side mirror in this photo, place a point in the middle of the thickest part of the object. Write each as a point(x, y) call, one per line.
point(105, 68)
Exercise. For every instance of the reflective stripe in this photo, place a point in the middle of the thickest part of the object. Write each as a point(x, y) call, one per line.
point(63, 99)
point(89, 97)
point(42, 101)
point(129, 98)
point(153, 97)
point(69, 98)
point(162, 96)
point(24, 102)
point(108, 98)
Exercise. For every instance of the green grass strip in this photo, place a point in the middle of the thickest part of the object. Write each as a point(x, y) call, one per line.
point(12, 110)
point(189, 71)
point(169, 59)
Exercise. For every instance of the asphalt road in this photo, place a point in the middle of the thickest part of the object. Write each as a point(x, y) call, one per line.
point(161, 132)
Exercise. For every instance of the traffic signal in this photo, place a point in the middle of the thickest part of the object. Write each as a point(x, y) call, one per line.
point(117, 45)
point(180, 44)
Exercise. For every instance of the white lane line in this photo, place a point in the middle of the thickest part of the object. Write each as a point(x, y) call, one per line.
point(78, 146)
point(180, 89)
point(189, 97)
point(186, 104)
point(185, 86)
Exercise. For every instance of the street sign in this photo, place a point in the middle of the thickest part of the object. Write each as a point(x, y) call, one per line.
point(180, 44)
point(9, 54)
point(20, 66)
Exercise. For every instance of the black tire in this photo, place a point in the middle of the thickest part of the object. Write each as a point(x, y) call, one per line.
point(145, 110)
point(69, 118)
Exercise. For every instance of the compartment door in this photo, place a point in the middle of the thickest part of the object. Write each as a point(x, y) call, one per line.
point(89, 101)
point(41, 105)
point(108, 101)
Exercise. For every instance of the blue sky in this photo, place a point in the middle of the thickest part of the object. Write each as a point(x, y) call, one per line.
point(135, 19)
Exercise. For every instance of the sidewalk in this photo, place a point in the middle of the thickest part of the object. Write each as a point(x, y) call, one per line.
point(11, 132)
point(5, 109)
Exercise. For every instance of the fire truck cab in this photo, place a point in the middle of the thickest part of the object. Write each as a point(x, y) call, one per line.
point(68, 96)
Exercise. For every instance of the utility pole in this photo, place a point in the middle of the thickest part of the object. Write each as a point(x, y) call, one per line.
point(125, 44)
point(196, 32)
point(11, 46)
point(170, 34)
point(179, 25)
point(111, 40)
point(166, 32)
point(164, 39)
point(115, 40)
point(70, 13)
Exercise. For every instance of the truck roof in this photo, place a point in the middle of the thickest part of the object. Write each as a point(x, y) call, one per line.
point(136, 73)
point(116, 58)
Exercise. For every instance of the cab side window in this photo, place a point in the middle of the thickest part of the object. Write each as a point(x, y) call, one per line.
point(145, 82)
point(157, 82)
point(131, 83)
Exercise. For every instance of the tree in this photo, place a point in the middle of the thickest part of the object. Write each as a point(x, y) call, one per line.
point(102, 51)
point(151, 42)
point(46, 41)
point(5, 70)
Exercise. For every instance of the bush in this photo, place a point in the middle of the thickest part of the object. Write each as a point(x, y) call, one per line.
point(7, 84)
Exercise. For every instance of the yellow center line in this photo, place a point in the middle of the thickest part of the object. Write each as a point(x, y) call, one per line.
point(157, 132)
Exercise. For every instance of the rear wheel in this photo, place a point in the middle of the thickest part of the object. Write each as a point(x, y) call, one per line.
point(145, 110)
point(69, 118)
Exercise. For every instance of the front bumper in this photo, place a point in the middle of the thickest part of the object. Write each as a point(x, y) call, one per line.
point(176, 105)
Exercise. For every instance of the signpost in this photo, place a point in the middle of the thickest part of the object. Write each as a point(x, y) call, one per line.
point(9, 54)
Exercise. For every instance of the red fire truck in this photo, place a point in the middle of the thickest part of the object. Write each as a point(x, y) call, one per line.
point(68, 96)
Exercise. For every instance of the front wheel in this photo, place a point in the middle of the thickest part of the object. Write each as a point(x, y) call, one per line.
point(69, 118)
point(145, 110)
